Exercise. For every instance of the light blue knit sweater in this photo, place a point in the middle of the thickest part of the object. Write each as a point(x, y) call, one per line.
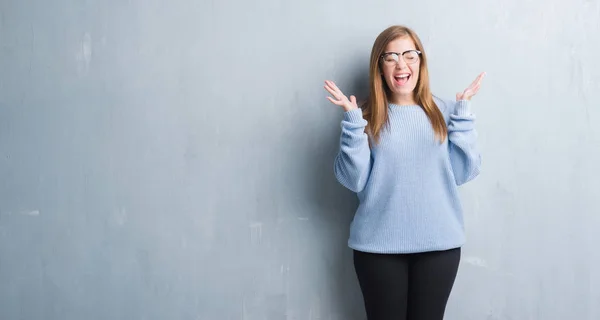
point(407, 184)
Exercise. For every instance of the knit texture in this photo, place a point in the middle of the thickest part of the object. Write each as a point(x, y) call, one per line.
point(407, 183)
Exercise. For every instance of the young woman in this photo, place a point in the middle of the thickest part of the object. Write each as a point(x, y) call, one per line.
point(404, 154)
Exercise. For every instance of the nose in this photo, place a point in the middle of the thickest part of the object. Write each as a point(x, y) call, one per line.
point(401, 64)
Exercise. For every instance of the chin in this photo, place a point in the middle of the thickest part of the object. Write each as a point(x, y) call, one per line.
point(404, 91)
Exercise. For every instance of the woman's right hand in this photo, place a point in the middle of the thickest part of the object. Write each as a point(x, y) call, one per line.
point(339, 99)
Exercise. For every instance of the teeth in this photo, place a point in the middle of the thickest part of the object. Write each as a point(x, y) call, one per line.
point(402, 76)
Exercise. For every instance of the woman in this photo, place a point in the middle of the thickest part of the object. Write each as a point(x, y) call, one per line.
point(404, 154)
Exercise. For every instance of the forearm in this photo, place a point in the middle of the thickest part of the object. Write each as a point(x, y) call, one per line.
point(352, 164)
point(462, 135)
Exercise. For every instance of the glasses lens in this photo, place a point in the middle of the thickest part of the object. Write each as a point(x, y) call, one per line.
point(411, 56)
point(390, 58)
point(408, 56)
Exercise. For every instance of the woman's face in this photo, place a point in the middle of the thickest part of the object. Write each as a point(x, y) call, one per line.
point(400, 69)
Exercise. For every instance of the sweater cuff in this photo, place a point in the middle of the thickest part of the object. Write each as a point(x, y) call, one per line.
point(463, 108)
point(354, 116)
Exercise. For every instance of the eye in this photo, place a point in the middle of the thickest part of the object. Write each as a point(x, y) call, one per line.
point(410, 55)
point(390, 57)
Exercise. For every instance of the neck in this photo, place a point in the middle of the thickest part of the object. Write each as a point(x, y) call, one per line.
point(403, 100)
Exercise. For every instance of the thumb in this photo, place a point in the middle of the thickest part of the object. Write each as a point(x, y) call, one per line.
point(353, 99)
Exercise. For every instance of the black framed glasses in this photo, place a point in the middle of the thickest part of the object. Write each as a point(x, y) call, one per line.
point(409, 56)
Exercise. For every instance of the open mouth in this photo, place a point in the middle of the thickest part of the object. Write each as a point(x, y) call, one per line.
point(402, 79)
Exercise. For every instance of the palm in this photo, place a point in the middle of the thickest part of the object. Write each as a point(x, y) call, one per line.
point(471, 90)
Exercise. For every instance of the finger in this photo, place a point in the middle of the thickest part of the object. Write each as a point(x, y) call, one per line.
point(458, 96)
point(330, 85)
point(477, 80)
point(336, 102)
point(468, 92)
point(353, 100)
point(335, 87)
point(480, 78)
point(476, 88)
point(473, 84)
point(332, 92)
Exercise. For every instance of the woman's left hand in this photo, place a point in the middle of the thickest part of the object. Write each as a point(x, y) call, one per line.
point(469, 92)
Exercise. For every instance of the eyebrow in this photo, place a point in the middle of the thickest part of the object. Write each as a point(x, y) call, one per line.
point(400, 52)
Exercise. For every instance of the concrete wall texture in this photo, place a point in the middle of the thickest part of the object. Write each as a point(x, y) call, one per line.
point(173, 159)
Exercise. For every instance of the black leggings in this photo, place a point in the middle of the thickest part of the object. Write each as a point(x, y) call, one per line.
point(406, 286)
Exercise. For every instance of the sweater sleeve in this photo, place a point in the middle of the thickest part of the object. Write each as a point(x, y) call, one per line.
point(352, 165)
point(464, 156)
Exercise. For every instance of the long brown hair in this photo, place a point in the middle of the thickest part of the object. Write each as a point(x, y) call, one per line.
point(376, 106)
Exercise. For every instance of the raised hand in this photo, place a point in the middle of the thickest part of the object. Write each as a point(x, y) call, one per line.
point(339, 99)
point(469, 92)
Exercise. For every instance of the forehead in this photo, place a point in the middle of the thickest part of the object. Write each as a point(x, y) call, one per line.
point(400, 45)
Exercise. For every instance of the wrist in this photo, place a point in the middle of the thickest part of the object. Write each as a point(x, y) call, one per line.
point(354, 116)
point(350, 108)
point(462, 108)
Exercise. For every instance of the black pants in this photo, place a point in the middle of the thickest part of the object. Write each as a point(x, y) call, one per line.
point(406, 286)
